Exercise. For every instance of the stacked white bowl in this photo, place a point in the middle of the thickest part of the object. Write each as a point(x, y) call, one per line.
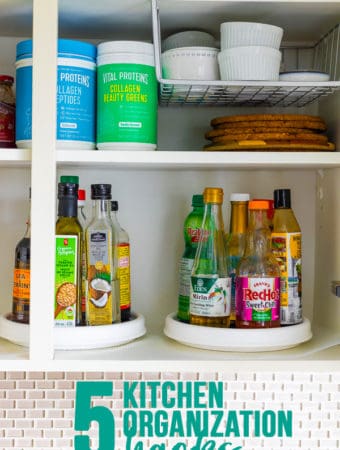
point(250, 51)
point(190, 55)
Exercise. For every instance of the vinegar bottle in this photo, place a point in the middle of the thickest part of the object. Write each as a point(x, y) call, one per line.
point(22, 276)
point(286, 246)
point(122, 260)
point(210, 282)
point(258, 274)
point(236, 241)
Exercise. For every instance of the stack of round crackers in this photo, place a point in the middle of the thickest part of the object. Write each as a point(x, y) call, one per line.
point(280, 132)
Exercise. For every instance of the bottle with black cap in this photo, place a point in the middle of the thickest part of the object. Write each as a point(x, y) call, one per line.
point(102, 295)
point(286, 246)
point(68, 285)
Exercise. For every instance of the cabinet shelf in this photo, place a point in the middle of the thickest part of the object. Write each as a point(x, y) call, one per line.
point(187, 160)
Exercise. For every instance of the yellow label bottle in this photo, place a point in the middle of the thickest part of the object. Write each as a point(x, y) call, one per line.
point(286, 247)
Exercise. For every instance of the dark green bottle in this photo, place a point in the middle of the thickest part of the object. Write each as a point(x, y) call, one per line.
point(192, 230)
point(68, 258)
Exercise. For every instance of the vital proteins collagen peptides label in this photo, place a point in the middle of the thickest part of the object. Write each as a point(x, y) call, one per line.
point(210, 297)
point(127, 103)
point(258, 299)
point(76, 102)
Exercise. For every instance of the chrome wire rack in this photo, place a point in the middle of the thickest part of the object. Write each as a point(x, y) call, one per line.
point(325, 58)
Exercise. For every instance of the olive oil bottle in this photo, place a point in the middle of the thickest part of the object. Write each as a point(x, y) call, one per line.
point(68, 284)
point(102, 296)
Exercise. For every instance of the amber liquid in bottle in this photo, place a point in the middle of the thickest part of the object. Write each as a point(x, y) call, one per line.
point(21, 278)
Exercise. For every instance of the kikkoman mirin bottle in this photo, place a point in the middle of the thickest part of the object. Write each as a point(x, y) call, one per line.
point(286, 247)
point(192, 231)
point(210, 282)
point(258, 274)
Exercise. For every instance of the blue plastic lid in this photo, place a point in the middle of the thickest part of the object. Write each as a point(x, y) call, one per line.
point(65, 46)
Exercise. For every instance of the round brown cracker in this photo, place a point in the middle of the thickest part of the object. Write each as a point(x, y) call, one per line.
point(265, 117)
point(223, 131)
point(305, 124)
point(309, 137)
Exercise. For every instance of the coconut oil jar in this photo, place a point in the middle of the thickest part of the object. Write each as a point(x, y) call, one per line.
point(126, 96)
point(76, 91)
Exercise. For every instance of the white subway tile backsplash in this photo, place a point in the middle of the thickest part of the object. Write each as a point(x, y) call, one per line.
point(37, 408)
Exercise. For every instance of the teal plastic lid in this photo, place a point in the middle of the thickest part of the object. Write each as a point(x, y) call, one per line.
point(65, 47)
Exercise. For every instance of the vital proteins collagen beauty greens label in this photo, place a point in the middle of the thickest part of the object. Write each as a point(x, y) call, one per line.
point(258, 299)
point(210, 297)
point(127, 103)
point(66, 280)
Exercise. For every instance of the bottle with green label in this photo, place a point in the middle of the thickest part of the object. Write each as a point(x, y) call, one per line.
point(192, 229)
point(102, 295)
point(210, 292)
point(68, 285)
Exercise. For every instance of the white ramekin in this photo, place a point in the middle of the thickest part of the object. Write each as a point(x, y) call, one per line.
point(241, 34)
point(254, 63)
point(190, 38)
point(190, 63)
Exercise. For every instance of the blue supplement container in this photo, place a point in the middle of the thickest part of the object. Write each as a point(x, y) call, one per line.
point(76, 94)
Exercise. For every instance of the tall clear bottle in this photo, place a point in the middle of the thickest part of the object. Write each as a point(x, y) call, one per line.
point(258, 274)
point(210, 282)
point(22, 276)
point(69, 242)
point(102, 299)
point(236, 241)
point(286, 247)
point(192, 231)
point(122, 259)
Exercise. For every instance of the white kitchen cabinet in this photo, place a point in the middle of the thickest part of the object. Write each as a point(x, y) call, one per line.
point(154, 189)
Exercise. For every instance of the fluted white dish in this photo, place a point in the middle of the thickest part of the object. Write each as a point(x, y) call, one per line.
point(188, 38)
point(304, 75)
point(190, 63)
point(241, 34)
point(254, 63)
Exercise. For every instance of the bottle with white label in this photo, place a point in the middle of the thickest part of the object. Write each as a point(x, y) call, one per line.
point(286, 246)
point(258, 274)
point(102, 301)
point(210, 290)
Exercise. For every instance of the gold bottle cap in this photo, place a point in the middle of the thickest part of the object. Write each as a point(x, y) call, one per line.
point(213, 195)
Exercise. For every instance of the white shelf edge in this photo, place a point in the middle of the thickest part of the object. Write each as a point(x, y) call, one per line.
point(198, 160)
point(15, 156)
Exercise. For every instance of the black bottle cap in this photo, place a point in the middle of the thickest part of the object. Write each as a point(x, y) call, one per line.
point(68, 199)
point(67, 190)
point(282, 198)
point(101, 191)
point(114, 205)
